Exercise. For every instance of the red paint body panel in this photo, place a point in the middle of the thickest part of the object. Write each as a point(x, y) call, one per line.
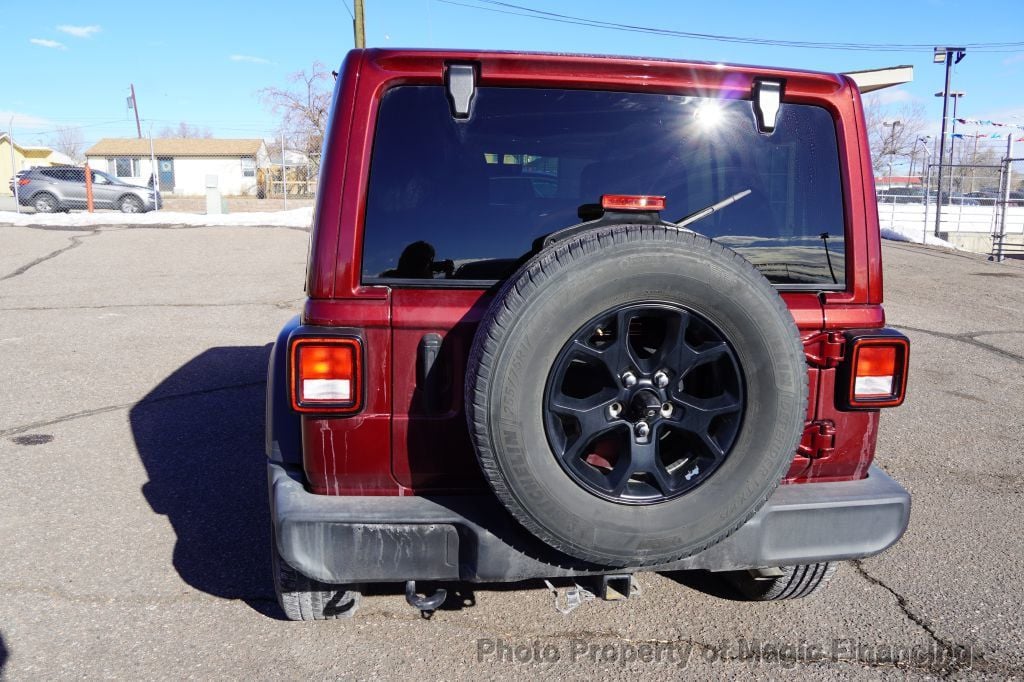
point(396, 446)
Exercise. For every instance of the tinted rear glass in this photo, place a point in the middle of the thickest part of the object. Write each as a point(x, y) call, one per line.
point(465, 200)
point(66, 174)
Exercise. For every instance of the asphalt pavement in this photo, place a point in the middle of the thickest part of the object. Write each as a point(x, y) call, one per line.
point(134, 524)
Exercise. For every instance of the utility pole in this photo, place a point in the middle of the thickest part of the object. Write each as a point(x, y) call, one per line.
point(359, 24)
point(135, 107)
point(944, 55)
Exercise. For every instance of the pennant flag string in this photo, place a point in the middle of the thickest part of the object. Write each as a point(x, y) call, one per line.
point(985, 122)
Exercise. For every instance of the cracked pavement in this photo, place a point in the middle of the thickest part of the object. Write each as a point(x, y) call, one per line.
point(133, 524)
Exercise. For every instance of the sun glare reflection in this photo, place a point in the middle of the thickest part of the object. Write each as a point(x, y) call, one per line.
point(709, 114)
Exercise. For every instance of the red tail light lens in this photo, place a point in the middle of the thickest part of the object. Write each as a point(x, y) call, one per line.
point(632, 202)
point(326, 375)
point(23, 181)
point(878, 371)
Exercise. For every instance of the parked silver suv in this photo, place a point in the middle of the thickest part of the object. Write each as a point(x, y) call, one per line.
point(63, 188)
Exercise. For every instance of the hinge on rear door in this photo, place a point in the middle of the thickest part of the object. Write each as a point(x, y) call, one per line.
point(824, 349)
point(819, 440)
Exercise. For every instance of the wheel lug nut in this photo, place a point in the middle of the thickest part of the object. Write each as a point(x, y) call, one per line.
point(629, 379)
point(666, 409)
point(643, 430)
point(614, 410)
point(661, 379)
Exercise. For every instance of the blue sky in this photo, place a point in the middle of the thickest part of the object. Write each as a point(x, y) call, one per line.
point(69, 63)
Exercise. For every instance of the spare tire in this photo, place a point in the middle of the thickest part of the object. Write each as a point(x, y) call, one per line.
point(635, 393)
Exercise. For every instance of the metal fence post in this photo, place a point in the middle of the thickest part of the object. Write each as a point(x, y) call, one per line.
point(1004, 200)
point(14, 171)
point(927, 191)
point(154, 173)
point(284, 175)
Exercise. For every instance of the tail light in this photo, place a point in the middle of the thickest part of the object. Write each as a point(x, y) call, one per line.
point(632, 202)
point(23, 181)
point(325, 374)
point(875, 372)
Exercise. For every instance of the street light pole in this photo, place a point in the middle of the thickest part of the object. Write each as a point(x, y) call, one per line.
point(947, 55)
point(891, 147)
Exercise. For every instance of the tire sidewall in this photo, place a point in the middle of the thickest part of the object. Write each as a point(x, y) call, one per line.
point(731, 295)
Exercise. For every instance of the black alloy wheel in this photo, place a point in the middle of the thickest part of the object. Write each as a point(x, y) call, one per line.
point(644, 403)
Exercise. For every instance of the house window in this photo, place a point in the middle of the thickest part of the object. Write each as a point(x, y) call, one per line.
point(248, 167)
point(124, 167)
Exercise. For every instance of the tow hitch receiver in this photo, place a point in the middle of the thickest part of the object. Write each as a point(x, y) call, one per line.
point(615, 587)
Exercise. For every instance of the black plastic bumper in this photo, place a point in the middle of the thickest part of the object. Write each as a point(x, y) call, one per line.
point(473, 538)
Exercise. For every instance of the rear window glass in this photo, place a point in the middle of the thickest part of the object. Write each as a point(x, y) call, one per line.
point(66, 174)
point(464, 201)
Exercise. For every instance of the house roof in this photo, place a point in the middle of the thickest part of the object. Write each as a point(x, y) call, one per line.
point(185, 146)
point(54, 157)
point(897, 180)
point(27, 148)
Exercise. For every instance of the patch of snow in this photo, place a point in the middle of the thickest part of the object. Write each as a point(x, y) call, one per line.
point(901, 233)
point(299, 217)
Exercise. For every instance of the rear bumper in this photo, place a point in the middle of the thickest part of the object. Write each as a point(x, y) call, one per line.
point(472, 538)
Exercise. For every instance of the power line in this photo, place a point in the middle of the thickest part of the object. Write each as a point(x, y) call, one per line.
point(499, 7)
point(351, 16)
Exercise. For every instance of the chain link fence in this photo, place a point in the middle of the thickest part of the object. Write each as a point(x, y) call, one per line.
point(980, 206)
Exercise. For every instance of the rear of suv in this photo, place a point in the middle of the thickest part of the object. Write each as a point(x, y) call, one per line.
point(583, 316)
point(62, 188)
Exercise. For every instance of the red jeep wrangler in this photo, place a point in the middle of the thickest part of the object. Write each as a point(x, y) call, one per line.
point(582, 316)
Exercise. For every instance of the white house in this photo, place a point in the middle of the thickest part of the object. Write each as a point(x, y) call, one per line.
point(183, 164)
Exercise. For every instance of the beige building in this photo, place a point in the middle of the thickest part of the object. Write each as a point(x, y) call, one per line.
point(25, 157)
point(183, 164)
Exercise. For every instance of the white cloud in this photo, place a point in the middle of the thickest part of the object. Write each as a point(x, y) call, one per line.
point(23, 122)
point(79, 31)
point(45, 42)
point(248, 59)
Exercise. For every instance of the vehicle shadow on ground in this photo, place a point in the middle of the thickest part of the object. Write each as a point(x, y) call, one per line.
point(3, 654)
point(711, 584)
point(199, 433)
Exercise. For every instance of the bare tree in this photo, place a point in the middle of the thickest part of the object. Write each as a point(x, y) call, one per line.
point(184, 130)
point(893, 131)
point(303, 108)
point(979, 166)
point(69, 141)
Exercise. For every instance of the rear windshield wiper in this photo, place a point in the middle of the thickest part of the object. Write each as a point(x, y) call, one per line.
point(708, 210)
point(647, 218)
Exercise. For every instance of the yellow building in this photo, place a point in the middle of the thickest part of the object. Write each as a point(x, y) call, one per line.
point(25, 157)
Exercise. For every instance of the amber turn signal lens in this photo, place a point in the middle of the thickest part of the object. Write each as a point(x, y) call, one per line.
point(879, 372)
point(874, 373)
point(325, 374)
